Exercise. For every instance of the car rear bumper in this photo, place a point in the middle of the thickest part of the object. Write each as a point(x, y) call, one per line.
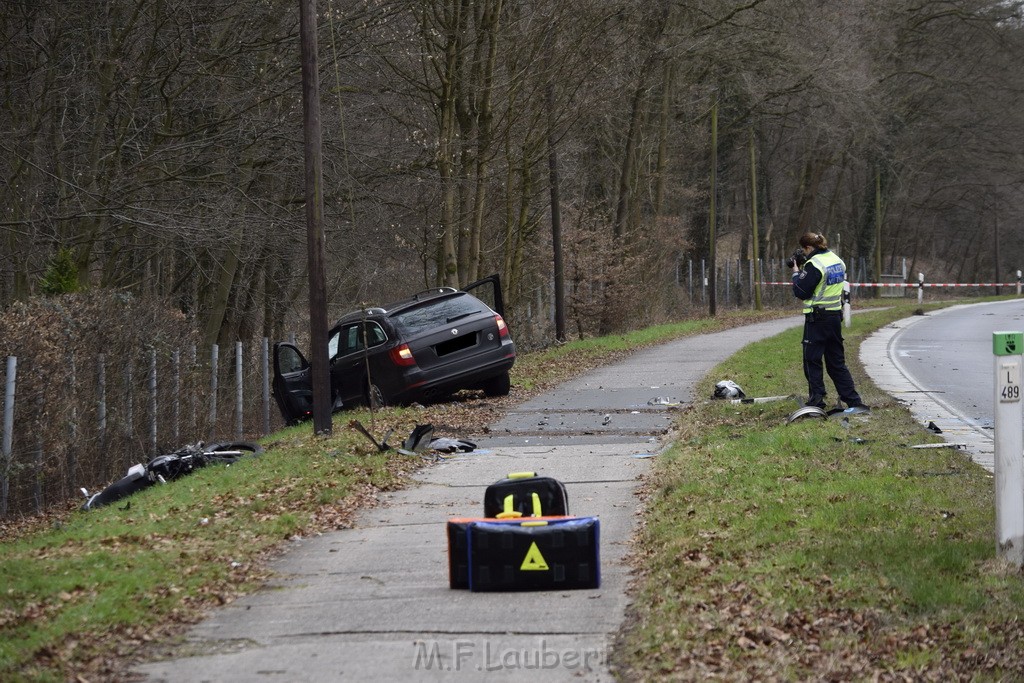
point(444, 380)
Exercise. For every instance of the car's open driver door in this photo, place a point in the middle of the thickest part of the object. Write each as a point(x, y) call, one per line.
point(293, 383)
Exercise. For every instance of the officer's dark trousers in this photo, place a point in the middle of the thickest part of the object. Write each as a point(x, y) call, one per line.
point(823, 338)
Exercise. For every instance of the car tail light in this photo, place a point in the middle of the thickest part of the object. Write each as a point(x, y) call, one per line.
point(402, 355)
point(502, 327)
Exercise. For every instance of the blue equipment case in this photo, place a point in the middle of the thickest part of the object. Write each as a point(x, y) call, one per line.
point(531, 553)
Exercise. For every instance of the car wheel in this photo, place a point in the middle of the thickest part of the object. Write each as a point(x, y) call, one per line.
point(375, 398)
point(498, 386)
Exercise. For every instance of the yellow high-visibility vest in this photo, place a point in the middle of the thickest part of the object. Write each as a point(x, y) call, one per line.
point(829, 292)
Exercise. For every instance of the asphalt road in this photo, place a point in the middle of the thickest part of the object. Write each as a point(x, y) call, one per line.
point(941, 365)
point(949, 354)
point(372, 603)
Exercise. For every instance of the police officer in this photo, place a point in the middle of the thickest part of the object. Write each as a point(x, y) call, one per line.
point(818, 276)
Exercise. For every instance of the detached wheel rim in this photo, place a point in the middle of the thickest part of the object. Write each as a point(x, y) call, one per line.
point(375, 397)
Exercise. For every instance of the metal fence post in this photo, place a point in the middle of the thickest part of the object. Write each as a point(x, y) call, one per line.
point(129, 409)
point(37, 480)
point(71, 451)
point(265, 363)
point(214, 352)
point(193, 390)
point(727, 276)
point(101, 401)
point(176, 395)
point(8, 442)
point(152, 401)
point(238, 390)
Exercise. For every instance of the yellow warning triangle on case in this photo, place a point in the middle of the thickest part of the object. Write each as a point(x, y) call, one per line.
point(534, 561)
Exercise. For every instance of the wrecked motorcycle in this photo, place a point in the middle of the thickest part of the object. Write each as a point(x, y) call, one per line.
point(168, 467)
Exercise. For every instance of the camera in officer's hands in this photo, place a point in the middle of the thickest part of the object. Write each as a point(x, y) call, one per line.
point(797, 260)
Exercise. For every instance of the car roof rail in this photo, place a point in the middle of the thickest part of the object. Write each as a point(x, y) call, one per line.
point(433, 292)
point(362, 312)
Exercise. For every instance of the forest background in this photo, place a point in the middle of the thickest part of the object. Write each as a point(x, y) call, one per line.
point(155, 147)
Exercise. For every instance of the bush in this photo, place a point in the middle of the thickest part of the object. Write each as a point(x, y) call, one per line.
point(61, 440)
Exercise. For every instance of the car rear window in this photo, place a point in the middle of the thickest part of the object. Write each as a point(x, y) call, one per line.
point(435, 313)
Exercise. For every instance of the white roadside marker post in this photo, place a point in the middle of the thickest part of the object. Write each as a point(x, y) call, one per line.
point(1009, 446)
point(920, 287)
point(846, 304)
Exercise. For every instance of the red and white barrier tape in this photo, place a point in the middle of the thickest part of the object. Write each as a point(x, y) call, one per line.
point(916, 284)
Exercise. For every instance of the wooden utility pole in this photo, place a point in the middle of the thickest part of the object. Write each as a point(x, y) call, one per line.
point(315, 240)
point(755, 235)
point(997, 270)
point(556, 211)
point(712, 216)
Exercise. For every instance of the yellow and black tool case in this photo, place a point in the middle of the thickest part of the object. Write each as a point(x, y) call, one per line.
point(532, 553)
point(525, 494)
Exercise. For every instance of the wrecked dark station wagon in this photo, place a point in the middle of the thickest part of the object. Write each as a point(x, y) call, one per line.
point(423, 348)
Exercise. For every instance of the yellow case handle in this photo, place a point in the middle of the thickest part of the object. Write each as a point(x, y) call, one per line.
point(521, 475)
point(508, 512)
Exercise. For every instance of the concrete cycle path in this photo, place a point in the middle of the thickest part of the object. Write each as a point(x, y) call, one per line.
point(372, 603)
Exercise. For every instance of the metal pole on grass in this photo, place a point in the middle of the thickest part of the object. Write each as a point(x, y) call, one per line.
point(238, 390)
point(152, 401)
point(214, 355)
point(11, 380)
point(8, 443)
point(176, 395)
point(265, 358)
point(71, 453)
point(101, 402)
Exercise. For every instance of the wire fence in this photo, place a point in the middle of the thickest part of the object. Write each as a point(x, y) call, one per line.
point(111, 412)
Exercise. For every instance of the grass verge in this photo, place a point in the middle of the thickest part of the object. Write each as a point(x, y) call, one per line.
point(819, 549)
point(81, 594)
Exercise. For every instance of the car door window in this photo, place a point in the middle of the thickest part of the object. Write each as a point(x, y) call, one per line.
point(290, 360)
point(375, 335)
point(350, 337)
point(332, 345)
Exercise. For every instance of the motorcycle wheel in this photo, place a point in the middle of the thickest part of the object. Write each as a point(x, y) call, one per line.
point(116, 491)
point(217, 454)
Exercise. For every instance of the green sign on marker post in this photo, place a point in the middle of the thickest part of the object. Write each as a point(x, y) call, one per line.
point(1007, 343)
